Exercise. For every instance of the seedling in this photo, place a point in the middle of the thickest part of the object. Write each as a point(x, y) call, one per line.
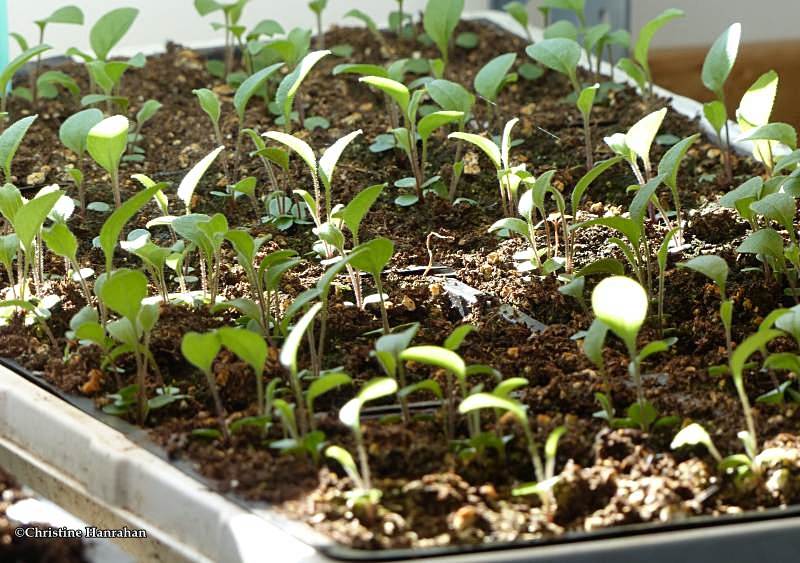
point(621, 304)
point(451, 96)
point(68, 15)
point(147, 112)
point(717, 67)
point(318, 6)
point(387, 350)
point(350, 415)
point(439, 21)
point(73, 134)
point(290, 86)
point(123, 293)
point(207, 234)
point(7, 75)
point(232, 13)
point(288, 359)
point(62, 242)
point(669, 167)
point(200, 350)
point(493, 77)
point(716, 269)
point(321, 171)
point(453, 365)
point(26, 219)
point(373, 258)
point(638, 68)
point(35, 312)
point(519, 12)
point(106, 143)
point(251, 349)
point(10, 140)
point(500, 158)
point(406, 136)
point(478, 401)
point(362, 494)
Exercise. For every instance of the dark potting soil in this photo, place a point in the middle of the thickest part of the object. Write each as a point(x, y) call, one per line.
point(431, 495)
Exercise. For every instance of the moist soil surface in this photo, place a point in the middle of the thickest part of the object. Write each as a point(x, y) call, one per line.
point(434, 494)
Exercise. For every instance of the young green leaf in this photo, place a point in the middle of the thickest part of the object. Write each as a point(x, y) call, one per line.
point(712, 267)
point(492, 77)
point(200, 349)
point(431, 122)
point(779, 206)
point(297, 145)
point(436, 356)
point(10, 141)
point(249, 87)
point(123, 292)
point(209, 102)
point(288, 356)
point(693, 435)
point(75, 129)
point(287, 90)
point(780, 132)
point(587, 180)
point(374, 257)
point(107, 142)
point(398, 92)
point(328, 161)
point(323, 384)
point(670, 163)
point(189, 182)
point(520, 14)
point(358, 207)
point(110, 29)
point(71, 15)
point(559, 54)
point(440, 20)
point(453, 342)
point(478, 401)
point(346, 461)
point(720, 60)
point(621, 304)
point(28, 219)
point(15, 65)
point(247, 345)
point(488, 146)
point(586, 100)
point(640, 137)
point(641, 52)
point(763, 241)
point(451, 96)
point(111, 229)
point(60, 240)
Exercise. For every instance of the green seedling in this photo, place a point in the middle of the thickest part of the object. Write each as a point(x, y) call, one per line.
point(210, 104)
point(368, 22)
point(519, 12)
point(754, 112)
point(638, 68)
point(61, 242)
point(288, 359)
point(387, 350)
point(717, 68)
point(26, 219)
point(318, 6)
point(395, 71)
point(147, 112)
point(439, 21)
point(7, 75)
point(493, 77)
point(123, 293)
point(451, 96)
point(10, 141)
point(669, 167)
point(350, 416)
point(106, 143)
point(66, 15)
point(372, 257)
point(716, 269)
point(661, 258)
point(479, 401)
point(621, 304)
point(125, 400)
point(363, 494)
point(290, 86)
point(499, 155)
point(453, 365)
point(207, 234)
point(74, 134)
point(406, 136)
point(231, 13)
point(200, 350)
point(635, 145)
point(321, 171)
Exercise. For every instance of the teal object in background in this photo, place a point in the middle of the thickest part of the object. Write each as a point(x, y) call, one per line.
point(3, 33)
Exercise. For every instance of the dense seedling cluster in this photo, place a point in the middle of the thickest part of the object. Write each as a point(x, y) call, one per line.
point(276, 286)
